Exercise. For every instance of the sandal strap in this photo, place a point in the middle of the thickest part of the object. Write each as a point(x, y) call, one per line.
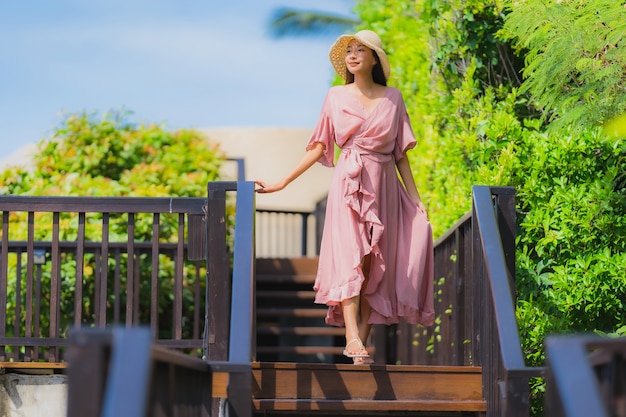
point(355, 340)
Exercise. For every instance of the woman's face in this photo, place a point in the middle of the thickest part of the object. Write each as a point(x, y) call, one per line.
point(359, 58)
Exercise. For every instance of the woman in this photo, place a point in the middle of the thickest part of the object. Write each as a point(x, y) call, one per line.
point(376, 255)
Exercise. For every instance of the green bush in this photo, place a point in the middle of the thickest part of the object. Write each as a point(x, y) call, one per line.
point(476, 124)
point(92, 155)
point(574, 68)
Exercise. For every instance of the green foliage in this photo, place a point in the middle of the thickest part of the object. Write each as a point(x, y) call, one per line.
point(616, 127)
point(465, 31)
point(572, 243)
point(574, 60)
point(570, 247)
point(463, 125)
point(476, 124)
point(90, 155)
point(109, 156)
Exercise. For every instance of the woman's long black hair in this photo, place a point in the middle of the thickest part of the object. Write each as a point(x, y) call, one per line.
point(378, 75)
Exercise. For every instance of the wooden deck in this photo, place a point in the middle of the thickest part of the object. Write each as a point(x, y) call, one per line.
point(309, 389)
point(369, 389)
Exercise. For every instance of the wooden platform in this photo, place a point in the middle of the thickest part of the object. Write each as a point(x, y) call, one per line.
point(373, 389)
point(33, 368)
point(328, 390)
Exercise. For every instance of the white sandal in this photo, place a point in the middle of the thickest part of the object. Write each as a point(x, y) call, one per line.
point(363, 361)
point(356, 355)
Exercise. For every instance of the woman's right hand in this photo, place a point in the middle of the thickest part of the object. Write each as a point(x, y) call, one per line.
point(265, 188)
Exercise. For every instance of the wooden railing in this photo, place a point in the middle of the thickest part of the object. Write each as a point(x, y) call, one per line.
point(121, 373)
point(475, 264)
point(505, 376)
point(586, 376)
point(454, 338)
point(475, 305)
point(107, 261)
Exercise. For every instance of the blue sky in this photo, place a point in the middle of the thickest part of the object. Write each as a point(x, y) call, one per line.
point(181, 63)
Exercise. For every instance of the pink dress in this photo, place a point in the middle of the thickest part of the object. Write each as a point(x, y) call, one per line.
point(368, 210)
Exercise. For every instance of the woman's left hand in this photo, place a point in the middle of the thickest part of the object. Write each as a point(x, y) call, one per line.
point(422, 207)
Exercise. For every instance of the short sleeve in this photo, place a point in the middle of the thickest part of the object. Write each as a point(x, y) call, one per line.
point(324, 133)
point(406, 138)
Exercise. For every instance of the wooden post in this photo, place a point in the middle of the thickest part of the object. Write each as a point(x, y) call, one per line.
point(218, 275)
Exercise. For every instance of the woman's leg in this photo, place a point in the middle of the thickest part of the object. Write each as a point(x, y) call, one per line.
point(350, 308)
point(356, 313)
point(364, 306)
point(354, 346)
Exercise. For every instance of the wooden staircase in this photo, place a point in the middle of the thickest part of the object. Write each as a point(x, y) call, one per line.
point(300, 369)
point(290, 326)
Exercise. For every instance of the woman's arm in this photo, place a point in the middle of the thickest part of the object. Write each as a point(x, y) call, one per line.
point(404, 168)
point(311, 156)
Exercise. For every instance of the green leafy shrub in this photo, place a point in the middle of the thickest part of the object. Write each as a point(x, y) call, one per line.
point(92, 155)
point(574, 68)
point(541, 135)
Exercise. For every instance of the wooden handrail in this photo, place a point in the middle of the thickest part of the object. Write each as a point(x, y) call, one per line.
point(499, 277)
point(505, 375)
point(242, 340)
point(128, 381)
point(121, 372)
point(188, 205)
point(230, 332)
point(572, 387)
point(242, 331)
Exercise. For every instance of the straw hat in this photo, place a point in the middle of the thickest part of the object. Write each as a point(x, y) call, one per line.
point(368, 38)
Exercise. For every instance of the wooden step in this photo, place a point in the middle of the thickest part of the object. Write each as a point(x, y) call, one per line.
point(364, 407)
point(302, 350)
point(368, 388)
point(285, 279)
point(337, 381)
point(301, 330)
point(309, 350)
point(290, 326)
point(289, 295)
point(291, 312)
point(287, 266)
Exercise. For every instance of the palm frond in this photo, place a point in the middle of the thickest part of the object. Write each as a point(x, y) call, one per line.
point(295, 22)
